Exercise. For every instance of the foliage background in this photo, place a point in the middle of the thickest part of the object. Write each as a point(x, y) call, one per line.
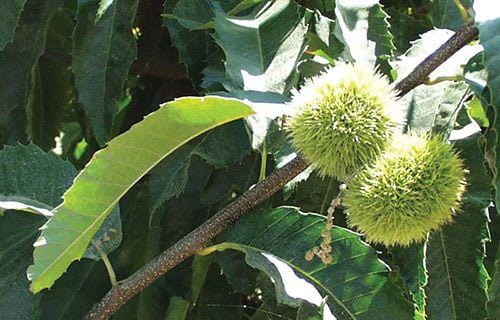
point(75, 74)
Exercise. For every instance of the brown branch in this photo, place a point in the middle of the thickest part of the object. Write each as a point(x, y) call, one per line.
point(464, 35)
point(187, 246)
point(195, 240)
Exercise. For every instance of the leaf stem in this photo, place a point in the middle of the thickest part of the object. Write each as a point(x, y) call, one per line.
point(107, 264)
point(437, 80)
point(463, 36)
point(463, 11)
point(194, 241)
point(263, 162)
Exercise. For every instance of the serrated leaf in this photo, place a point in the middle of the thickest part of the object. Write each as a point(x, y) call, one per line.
point(262, 49)
point(489, 36)
point(191, 46)
point(16, 62)
point(113, 171)
point(10, 12)
point(357, 284)
point(102, 55)
point(494, 290)
point(457, 278)
point(410, 262)
point(322, 42)
point(363, 29)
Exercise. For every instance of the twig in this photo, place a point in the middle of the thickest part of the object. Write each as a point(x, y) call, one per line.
point(187, 246)
point(195, 240)
point(464, 35)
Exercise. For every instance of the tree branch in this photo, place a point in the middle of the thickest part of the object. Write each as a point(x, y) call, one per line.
point(187, 246)
point(464, 35)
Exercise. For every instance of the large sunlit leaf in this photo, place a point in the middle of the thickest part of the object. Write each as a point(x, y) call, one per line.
point(363, 28)
point(356, 285)
point(429, 105)
point(262, 50)
point(102, 55)
point(16, 62)
point(456, 287)
point(113, 171)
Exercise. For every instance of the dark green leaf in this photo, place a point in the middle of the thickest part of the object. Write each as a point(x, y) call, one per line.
point(52, 84)
point(18, 232)
point(357, 284)
point(177, 309)
point(456, 287)
point(488, 36)
point(192, 14)
point(226, 145)
point(10, 12)
point(445, 14)
point(16, 62)
point(102, 55)
point(29, 172)
point(411, 265)
point(191, 46)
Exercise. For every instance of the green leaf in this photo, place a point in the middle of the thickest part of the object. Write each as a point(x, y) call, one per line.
point(357, 285)
point(18, 232)
point(52, 84)
point(488, 36)
point(113, 171)
point(410, 262)
point(457, 278)
point(216, 301)
point(262, 49)
point(363, 29)
point(323, 42)
point(219, 147)
point(102, 55)
point(192, 14)
point(72, 297)
point(27, 171)
point(35, 177)
point(191, 46)
point(494, 290)
point(10, 12)
point(446, 15)
point(177, 309)
point(16, 62)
